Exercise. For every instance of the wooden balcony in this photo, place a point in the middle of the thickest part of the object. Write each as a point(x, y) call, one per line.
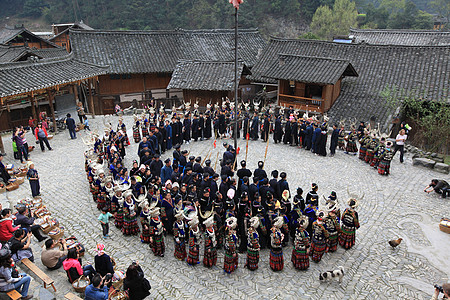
point(302, 103)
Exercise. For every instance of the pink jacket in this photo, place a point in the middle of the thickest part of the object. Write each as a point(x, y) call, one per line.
point(72, 263)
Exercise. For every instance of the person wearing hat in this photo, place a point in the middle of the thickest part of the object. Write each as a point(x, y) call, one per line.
point(197, 167)
point(33, 178)
point(276, 251)
point(187, 128)
point(253, 246)
point(176, 154)
point(228, 155)
point(71, 126)
point(190, 163)
point(207, 134)
point(242, 172)
point(273, 182)
point(226, 169)
point(319, 238)
point(166, 171)
point(278, 131)
point(7, 281)
point(312, 197)
point(282, 184)
point(379, 149)
point(194, 241)
point(130, 225)
point(168, 129)
point(156, 229)
point(195, 128)
point(385, 159)
point(332, 226)
point(260, 173)
point(351, 138)
point(231, 258)
point(349, 224)
point(210, 256)
point(117, 206)
point(300, 252)
point(244, 210)
point(183, 160)
point(179, 235)
point(254, 127)
point(207, 168)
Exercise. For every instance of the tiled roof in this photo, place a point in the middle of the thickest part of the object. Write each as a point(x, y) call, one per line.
point(7, 34)
point(424, 71)
point(204, 75)
point(309, 69)
point(159, 51)
point(22, 77)
point(401, 37)
point(15, 53)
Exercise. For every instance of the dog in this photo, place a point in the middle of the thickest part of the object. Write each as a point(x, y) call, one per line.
point(329, 275)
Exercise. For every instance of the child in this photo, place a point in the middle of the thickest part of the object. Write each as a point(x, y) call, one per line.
point(33, 177)
point(104, 220)
point(86, 123)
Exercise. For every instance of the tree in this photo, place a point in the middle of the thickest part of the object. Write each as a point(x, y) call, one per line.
point(442, 8)
point(33, 8)
point(328, 22)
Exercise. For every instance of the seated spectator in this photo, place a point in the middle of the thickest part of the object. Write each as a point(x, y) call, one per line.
point(135, 283)
point(19, 245)
point(10, 279)
point(98, 290)
point(27, 223)
point(72, 266)
point(54, 253)
point(103, 263)
point(6, 228)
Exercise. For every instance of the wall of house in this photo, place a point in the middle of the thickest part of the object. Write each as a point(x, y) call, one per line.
point(37, 45)
point(117, 84)
point(63, 41)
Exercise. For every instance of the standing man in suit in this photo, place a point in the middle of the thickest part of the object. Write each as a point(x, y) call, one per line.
point(71, 126)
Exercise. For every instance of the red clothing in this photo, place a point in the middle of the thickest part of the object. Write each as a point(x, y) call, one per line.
point(72, 263)
point(6, 229)
point(37, 130)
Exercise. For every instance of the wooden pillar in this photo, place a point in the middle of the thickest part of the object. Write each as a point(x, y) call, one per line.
point(2, 148)
point(51, 97)
point(33, 108)
point(75, 92)
point(91, 97)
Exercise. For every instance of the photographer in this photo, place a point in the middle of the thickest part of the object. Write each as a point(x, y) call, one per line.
point(444, 289)
point(98, 290)
point(54, 254)
point(439, 186)
point(135, 283)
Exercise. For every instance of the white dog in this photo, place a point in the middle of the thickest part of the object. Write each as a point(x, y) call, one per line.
point(329, 275)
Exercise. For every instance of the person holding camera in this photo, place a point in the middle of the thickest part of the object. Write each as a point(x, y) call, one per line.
point(98, 290)
point(54, 254)
point(439, 186)
point(444, 289)
point(10, 279)
point(135, 283)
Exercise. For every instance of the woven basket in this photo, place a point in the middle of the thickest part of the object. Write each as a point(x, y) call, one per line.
point(58, 235)
point(118, 295)
point(79, 289)
point(443, 227)
point(46, 228)
point(12, 186)
point(49, 137)
point(2, 190)
point(20, 179)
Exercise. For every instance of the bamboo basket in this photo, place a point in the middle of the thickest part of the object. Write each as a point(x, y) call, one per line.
point(80, 289)
point(118, 284)
point(20, 180)
point(58, 235)
point(46, 228)
point(444, 225)
point(118, 295)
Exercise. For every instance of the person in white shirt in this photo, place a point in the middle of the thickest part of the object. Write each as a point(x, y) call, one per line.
point(400, 143)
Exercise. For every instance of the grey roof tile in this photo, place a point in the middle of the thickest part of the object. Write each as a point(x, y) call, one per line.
point(403, 37)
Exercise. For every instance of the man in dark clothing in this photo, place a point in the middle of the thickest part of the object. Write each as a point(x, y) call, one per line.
point(3, 172)
point(278, 133)
point(195, 128)
point(246, 126)
point(213, 186)
point(274, 184)
point(155, 166)
point(316, 138)
point(207, 168)
point(146, 159)
point(294, 132)
point(201, 126)
point(226, 169)
point(163, 132)
point(142, 145)
point(155, 139)
point(287, 133)
point(207, 134)
point(242, 172)
point(176, 154)
point(243, 187)
point(187, 128)
point(265, 188)
point(334, 140)
point(27, 223)
point(266, 128)
point(260, 173)
point(71, 126)
point(197, 167)
point(222, 124)
point(253, 189)
point(439, 186)
point(360, 131)
point(283, 184)
point(182, 160)
point(255, 127)
point(224, 186)
point(227, 155)
point(190, 163)
point(308, 136)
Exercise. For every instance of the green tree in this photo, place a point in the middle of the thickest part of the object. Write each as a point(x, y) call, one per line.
point(33, 8)
point(328, 22)
point(442, 8)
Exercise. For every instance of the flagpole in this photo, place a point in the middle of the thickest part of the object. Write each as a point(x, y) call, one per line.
point(236, 83)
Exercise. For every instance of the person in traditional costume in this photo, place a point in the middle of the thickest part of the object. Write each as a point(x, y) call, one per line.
point(363, 145)
point(319, 238)
point(385, 159)
point(117, 206)
point(332, 226)
point(351, 142)
point(194, 242)
point(253, 246)
point(312, 197)
point(210, 256)
point(276, 251)
point(156, 230)
point(379, 149)
point(130, 225)
point(231, 257)
point(370, 152)
point(341, 137)
point(145, 224)
point(179, 236)
point(136, 130)
point(350, 223)
point(300, 252)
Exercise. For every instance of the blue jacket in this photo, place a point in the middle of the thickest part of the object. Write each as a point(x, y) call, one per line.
point(166, 173)
point(93, 293)
point(70, 123)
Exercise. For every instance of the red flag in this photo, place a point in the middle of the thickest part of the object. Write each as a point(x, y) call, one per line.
point(215, 144)
point(238, 150)
point(236, 3)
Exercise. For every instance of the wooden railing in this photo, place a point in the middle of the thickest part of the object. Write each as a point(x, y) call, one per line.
point(302, 103)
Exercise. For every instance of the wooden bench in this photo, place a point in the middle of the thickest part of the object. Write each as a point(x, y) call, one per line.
point(15, 295)
point(39, 273)
point(71, 296)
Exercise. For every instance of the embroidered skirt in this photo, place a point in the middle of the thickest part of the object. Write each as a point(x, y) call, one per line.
point(369, 156)
point(230, 262)
point(351, 147)
point(300, 259)
point(210, 257)
point(383, 167)
point(145, 235)
point(158, 246)
point(101, 202)
point(362, 153)
point(136, 135)
point(318, 248)
point(347, 236)
point(192, 258)
point(130, 225)
point(341, 143)
point(333, 241)
point(374, 162)
point(119, 218)
point(180, 250)
point(276, 259)
point(252, 259)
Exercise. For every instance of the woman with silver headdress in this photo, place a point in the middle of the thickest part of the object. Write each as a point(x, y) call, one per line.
point(385, 159)
point(253, 245)
point(276, 251)
point(145, 224)
point(194, 242)
point(156, 229)
point(319, 238)
point(332, 226)
point(210, 257)
point(300, 252)
point(350, 223)
point(130, 225)
point(179, 235)
point(231, 258)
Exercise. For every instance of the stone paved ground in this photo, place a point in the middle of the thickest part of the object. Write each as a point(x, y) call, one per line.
point(393, 206)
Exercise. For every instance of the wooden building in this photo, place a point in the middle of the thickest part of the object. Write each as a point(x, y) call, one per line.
point(207, 81)
point(20, 36)
point(141, 63)
point(61, 33)
point(309, 83)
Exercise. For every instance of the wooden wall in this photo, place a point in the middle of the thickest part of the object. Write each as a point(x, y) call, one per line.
point(131, 83)
point(63, 41)
point(37, 45)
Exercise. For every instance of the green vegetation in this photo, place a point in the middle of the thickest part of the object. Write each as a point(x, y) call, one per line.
point(328, 22)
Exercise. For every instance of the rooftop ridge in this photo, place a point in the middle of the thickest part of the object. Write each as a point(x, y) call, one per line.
point(430, 31)
point(316, 57)
point(174, 31)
